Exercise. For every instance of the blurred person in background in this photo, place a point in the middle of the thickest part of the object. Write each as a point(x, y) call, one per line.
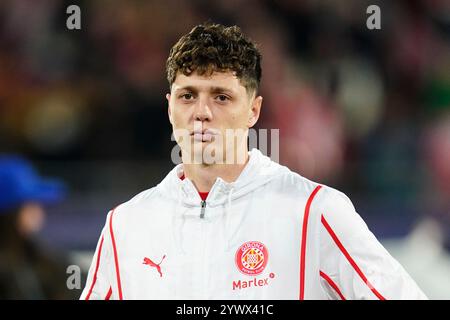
point(27, 270)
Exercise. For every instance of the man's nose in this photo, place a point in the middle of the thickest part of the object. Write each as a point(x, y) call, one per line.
point(202, 110)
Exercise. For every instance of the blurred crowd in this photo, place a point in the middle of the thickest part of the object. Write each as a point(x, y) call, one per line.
point(365, 111)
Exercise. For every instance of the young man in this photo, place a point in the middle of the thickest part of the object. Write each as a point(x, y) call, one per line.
point(232, 224)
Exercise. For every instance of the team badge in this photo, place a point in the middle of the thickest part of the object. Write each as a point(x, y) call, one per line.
point(251, 258)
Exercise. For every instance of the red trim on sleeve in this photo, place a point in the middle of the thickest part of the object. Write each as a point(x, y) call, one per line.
point(108, 295)
point(96, 269)
point(303, 245)
point(332, 284)
point(116, 259)
point(350, 259)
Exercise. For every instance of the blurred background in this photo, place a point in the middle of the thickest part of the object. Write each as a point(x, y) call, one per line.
point(364, 111)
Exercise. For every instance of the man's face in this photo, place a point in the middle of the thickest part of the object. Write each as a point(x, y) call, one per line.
point(211, 115)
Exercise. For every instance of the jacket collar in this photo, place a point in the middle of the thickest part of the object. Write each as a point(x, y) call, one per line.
point(259, 170)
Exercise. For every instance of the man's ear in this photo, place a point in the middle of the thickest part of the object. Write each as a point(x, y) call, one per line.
point(169, 111)
point(254, 111)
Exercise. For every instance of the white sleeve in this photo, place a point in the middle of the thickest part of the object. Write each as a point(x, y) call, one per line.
point(353, 264)
point(98, 284)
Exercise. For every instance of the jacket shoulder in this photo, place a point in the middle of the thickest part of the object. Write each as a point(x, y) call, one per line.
point(143, 198)
point(296, 183)
point(304, 186)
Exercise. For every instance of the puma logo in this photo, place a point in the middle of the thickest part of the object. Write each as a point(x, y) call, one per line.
point(150, 263)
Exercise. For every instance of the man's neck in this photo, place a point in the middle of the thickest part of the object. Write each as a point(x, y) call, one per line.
point(203, 176)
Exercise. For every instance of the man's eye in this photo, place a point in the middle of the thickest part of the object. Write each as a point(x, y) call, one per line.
point(222, 98)
point(187, 96)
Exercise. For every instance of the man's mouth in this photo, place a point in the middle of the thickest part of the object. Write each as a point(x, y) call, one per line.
point(206, 135)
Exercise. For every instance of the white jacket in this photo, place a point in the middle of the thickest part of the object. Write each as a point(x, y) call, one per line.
point(271, 234)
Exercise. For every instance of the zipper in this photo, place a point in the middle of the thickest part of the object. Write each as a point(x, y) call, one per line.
point(204, 267)
point(202, 210)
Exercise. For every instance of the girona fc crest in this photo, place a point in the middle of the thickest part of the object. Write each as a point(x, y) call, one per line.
point(251, 258)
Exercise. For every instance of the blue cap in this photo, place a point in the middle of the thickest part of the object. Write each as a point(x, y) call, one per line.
point(20, 183)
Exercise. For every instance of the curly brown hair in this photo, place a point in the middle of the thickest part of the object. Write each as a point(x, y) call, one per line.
point(213, 47)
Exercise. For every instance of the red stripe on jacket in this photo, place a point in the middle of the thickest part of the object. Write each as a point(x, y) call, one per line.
point(303, 244)
point(116, 258)
point(332, 284)
point(350, 259)
point(96, 269)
